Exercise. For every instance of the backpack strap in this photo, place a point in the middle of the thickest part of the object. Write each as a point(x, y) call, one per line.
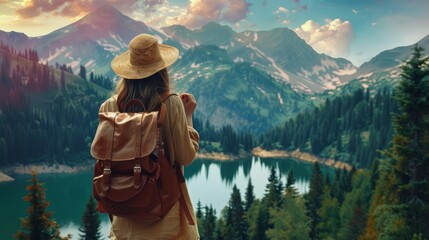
point(179, 173)
point(163, 110)
point(182, 200)
point(165, 96)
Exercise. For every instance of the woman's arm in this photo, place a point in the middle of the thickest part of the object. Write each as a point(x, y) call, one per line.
point(184, 137)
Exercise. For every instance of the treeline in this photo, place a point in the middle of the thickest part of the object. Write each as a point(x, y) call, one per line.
point(349, 128)
point(20, 75)
point(100, 80)
point(40, 119)
point(225, 139)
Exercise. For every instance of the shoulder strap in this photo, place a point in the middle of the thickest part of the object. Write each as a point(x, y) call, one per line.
point(162, 111)
point(161, 115)
point(167, 95)
point(182, 201)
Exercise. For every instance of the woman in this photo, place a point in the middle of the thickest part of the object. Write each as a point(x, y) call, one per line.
point(144, 77)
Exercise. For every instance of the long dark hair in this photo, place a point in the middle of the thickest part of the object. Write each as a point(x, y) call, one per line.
point(148, 90)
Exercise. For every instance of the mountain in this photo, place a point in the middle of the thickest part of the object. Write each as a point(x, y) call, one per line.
point(233, 93)
point(279, 52)
point(382, 71)
point(91, 41)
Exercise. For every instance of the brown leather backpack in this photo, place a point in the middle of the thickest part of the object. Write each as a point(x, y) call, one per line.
point(132, 176)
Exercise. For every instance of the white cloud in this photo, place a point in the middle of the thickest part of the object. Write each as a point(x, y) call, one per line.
point(333, 38)
point(281, 10)
point(201, 12)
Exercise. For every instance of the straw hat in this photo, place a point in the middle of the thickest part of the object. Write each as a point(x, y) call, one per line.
point(144, 57)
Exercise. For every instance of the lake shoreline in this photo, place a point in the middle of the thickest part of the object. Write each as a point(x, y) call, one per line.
point(302, 156)
point(257, 152)
point(40, 168)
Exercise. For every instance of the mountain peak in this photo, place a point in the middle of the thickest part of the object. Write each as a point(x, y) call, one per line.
point(105, 12)
point(213, 26)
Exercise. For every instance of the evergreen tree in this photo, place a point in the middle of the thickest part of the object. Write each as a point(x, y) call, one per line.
point(289, 222)
point(290, 185)
point(314, 200)
point(410, 149)
point(400, 205)
point(82, 72)
point(329, 214)
point(209, 223)
point(199, 213)
point(235, 216)
point(38, 225)
point(90, 227)
point(273, 190)
point(249, 195)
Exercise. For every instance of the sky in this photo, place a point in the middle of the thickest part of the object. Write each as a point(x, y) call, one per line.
point(353, 29)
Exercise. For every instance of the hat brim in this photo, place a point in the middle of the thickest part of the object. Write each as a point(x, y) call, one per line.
point(122, 67)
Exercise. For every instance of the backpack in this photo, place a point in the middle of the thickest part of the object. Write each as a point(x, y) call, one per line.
point(132, 176)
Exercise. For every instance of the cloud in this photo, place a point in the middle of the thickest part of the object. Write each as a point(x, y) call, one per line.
point(282, 13)
point(333, 38)
point(67, 8)
point(281, 10)
point(200, 12)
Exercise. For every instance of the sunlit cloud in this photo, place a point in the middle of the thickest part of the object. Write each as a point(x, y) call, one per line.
point(201, 12)
point(333, 38)
point(67, 8)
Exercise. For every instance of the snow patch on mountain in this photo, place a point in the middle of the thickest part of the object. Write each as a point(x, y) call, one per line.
point(194, 65)
point(91, 62)
point(261, 90)
point(74, 65)
point(280, 99)
point(58, 52)
point(280, 71)
point(108, 46)
point(118, 39)
point(365, 75)
point(345, 71)
point(238, 59)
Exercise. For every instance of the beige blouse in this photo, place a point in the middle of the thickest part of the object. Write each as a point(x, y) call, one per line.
point(181, 143)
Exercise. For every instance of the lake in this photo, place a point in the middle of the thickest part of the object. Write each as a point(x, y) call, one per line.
point(208, 181)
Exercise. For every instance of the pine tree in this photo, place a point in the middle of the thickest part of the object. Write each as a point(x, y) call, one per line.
point(273, 190)
point(38, 225)
point(290, 185)
point(329, 214)
point(289, 222)
point(314, 200)
point(209, 223)
point(400, 205)
point(249, 195)
point(90, 227)
point(235, 216)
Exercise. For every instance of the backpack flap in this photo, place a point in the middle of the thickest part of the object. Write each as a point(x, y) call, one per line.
point(125, 136)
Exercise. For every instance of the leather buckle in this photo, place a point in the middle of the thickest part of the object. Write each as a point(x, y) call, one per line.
point(107, 171)
point(137, 169)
